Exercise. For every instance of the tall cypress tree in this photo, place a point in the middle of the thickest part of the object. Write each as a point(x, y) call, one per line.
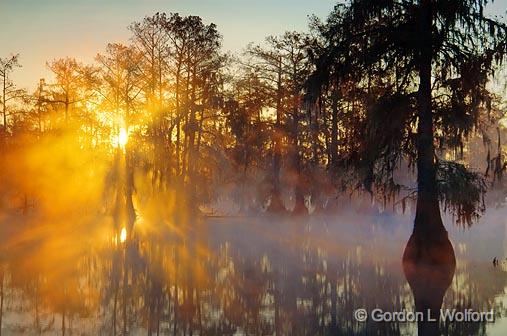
point(420, 70)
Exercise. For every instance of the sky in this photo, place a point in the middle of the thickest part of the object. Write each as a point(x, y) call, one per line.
point(43, 30)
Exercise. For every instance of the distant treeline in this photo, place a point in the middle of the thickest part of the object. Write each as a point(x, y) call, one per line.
point(381, 98)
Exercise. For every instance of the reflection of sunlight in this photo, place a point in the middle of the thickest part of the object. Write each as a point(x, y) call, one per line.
point(123, 235)
point(462, 248)
point(498, 328)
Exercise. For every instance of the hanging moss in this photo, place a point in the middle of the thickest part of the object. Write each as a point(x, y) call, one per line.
point(461, 191)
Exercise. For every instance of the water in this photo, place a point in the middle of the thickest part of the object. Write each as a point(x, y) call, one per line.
point(243, 276)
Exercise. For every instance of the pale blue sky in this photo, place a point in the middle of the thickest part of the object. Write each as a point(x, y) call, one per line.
point(42, 30)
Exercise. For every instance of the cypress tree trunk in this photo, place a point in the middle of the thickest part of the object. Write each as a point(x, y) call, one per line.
point(334, 129)
point(428, 260)
point(299, 206)
point(276, 205)
point(178, 115)
point(428, 220)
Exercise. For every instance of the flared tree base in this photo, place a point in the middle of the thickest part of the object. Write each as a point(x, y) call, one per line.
point(300, 208)
point(276, 205)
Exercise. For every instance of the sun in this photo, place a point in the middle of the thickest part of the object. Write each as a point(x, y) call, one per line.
point(123, 235)
point(123, 137)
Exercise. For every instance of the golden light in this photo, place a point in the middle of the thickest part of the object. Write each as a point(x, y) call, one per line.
point(120, 140)
point(123, 137)
point(123, 235)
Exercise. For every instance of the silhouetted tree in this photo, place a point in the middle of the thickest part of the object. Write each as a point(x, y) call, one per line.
point(420, 69)
point(9, 90)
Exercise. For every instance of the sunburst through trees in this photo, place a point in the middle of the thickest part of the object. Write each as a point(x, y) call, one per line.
point(114, 174)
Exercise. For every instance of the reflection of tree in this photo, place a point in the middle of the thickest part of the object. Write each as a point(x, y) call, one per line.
point(242, 277)
point(298, 287)
point(49, 283)
point(474, 287)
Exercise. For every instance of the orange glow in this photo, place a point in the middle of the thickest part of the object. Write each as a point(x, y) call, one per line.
point(121, 139)
point(123, 235)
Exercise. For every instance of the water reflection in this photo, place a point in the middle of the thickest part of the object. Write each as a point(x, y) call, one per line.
point(242, 277)
point(429, 265)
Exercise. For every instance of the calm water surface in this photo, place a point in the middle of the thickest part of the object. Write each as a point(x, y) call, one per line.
point(244, 276)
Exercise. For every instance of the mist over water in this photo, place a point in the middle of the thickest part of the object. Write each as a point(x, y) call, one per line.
point(71, 263)
point(170, 187)
point(245, 276)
